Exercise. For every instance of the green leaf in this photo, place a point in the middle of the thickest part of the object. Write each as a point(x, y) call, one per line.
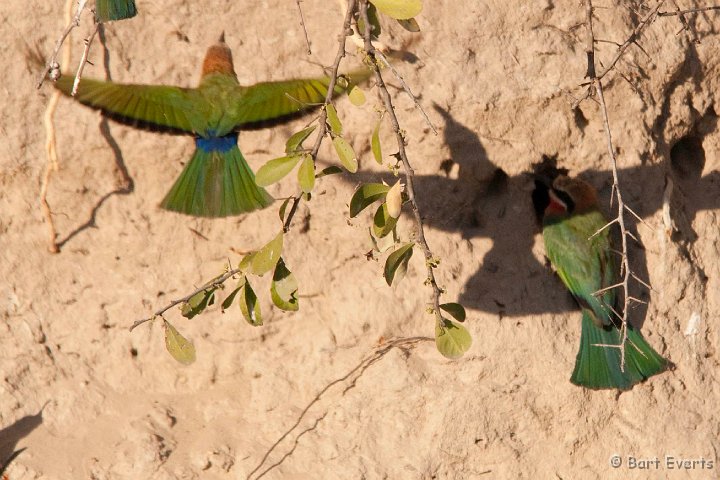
point(399, 9)
point(178, 346)
point(331, 170)
point(230, 298)
point(365, 195)
point(249, 305)
point(276, 169)
point(375, 143)
point(306, 173)
point(284, 287)
point(454, 309)
point(396, 263)
point(374, 23)
point(198, 302)
point(346, 154)
point(295, 142)
point(245, 264)
point(265, 259)
point(333, 120)
point(383, 223)
point(356, 96)
point(451, 339)
point(410, 25)
point(283, 207)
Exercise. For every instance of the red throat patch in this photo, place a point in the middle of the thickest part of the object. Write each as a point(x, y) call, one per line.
point(556, 205)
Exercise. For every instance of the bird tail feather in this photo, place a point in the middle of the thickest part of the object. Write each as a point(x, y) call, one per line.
point(599, 367)
point(217, 182)
point(107, 10)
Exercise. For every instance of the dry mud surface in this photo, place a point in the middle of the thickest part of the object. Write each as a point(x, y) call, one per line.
point(90, 400)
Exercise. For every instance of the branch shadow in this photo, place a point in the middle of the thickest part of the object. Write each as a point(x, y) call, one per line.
point(125, 181)
point(485, 202)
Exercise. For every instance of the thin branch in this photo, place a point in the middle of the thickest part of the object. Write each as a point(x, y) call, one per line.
point(83, 59)
point(322, 121)
point(632, 39)
point(690, 10)
point(405, 86)
point(645, 284)
point(52, 68)
point(302, 23)
point(612, 222)
point(590, 48)
point(603, 290)
point(216, 282)
point(597, 84)
point(638, 217)
point(408, 170)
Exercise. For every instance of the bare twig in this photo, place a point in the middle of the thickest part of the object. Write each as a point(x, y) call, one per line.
point(430, 261)
point(52, 68)
point(596, 83)
point(216, 282)
point(83, 59)
point(690, 10)
point(302, 24)
point(384, 59)
point(590, 48)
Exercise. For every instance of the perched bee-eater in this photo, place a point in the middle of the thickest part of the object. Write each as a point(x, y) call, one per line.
point(584, 260)
point(217, 181)
point(106, 10)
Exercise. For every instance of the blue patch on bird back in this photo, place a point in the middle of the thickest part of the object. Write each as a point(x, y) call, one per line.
point(217, 144)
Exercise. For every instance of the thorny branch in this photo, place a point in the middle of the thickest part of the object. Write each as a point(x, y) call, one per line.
point(430, 261)
point(596, 83)
point(631, 40)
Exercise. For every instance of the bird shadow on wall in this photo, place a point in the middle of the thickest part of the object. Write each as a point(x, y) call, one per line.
point(11, 435)
point(484, 202)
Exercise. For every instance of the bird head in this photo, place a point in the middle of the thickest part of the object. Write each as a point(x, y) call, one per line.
point(218, 59)
point(570, 195)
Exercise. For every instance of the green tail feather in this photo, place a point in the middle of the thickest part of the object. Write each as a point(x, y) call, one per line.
point(106, 10)
point(599, 367)
point(216, 183)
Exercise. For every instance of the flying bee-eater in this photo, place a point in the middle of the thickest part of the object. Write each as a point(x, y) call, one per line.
point(217, 181)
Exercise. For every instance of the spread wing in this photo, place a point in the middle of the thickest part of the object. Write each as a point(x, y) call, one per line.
point(154, 107)
point(269, 103)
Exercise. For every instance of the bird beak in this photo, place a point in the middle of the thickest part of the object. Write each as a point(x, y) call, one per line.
point(222, 37)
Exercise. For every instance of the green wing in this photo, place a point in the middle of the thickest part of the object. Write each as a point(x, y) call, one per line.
point(269, 103)
point(155, 107)
point(106, 10)
point(584, 264)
